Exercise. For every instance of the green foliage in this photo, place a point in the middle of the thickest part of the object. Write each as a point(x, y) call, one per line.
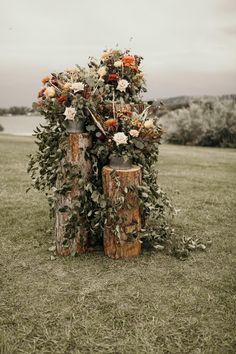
point(205, 123)
point(106, 100)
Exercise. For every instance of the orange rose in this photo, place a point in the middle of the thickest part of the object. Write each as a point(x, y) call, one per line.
point(45, 79)
point(111, 123)
point(128, 60)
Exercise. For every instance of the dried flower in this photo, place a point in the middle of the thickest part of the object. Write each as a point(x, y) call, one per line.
point(106, 55)
point(111, 123)
point(67, 86)
point(134, 133)
point(77, 86)
point(127, 113)
point(122, 85)
point(120, 138)
point(70, 113)
point(45, 79)
point(49, 92)
point(102, 71)
point(137, 123)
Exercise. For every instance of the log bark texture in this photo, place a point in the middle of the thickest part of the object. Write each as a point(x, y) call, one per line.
point(77, 145)
point(126, 245)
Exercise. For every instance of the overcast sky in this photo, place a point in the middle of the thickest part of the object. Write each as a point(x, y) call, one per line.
point(189, 46)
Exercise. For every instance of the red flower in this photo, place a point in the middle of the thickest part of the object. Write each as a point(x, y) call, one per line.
point(102, 137)
point(41, 93)
point(113, 77)
point(62, 99)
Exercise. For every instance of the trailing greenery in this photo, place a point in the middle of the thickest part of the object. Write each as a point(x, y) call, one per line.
point(105, 101)
point(207, 122)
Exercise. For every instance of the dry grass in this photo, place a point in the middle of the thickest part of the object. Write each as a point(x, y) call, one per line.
point(91, 304)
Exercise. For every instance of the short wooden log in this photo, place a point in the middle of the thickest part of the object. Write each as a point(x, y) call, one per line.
point(77, 145)
point(125, 245)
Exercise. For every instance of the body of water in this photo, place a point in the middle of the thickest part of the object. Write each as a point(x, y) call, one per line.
point(20, 125)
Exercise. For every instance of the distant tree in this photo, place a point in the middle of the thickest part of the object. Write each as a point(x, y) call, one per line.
point(1, 128)
point(3, 111)
point(207, 122)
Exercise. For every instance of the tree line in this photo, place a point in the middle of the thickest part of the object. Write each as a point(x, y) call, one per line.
point(16, 110)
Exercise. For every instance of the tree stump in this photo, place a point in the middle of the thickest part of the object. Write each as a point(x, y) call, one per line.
point(77, 145)
point(126, 245)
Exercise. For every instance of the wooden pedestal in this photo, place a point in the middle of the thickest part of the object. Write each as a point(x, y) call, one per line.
point(126, 245)
point(77, 145)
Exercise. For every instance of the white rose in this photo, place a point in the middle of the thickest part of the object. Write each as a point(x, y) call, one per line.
point(149, 124)
point(77, 86)
point(102, 71)
point(122, 85)
point(120, 138)
point(118, 64)
point(50, 92)
point(70, 113)
point(134, 133)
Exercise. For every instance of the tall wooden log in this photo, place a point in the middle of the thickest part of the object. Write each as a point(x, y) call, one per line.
point(77, 145)
point(125, 245)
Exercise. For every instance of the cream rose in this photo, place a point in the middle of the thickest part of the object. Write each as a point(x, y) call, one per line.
point(70, 113)
point(122, 85)
point(50, 92)
point(118, 64)
point(102, 71)
point(134, 133)
point(149, 124)
point(120, 138)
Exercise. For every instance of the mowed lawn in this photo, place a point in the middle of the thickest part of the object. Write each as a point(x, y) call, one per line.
point(92, 304)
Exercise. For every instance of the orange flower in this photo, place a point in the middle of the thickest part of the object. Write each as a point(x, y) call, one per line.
point(45, 79)
point(111, 123)
point(127, 113)
point(137, 123)
point(128, 60)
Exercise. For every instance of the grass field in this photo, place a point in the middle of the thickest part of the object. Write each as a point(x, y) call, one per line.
point(92, 304)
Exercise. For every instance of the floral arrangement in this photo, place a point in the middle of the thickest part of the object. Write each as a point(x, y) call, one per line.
point(106, 99)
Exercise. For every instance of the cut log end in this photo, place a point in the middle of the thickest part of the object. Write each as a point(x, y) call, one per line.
point(126, 245)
